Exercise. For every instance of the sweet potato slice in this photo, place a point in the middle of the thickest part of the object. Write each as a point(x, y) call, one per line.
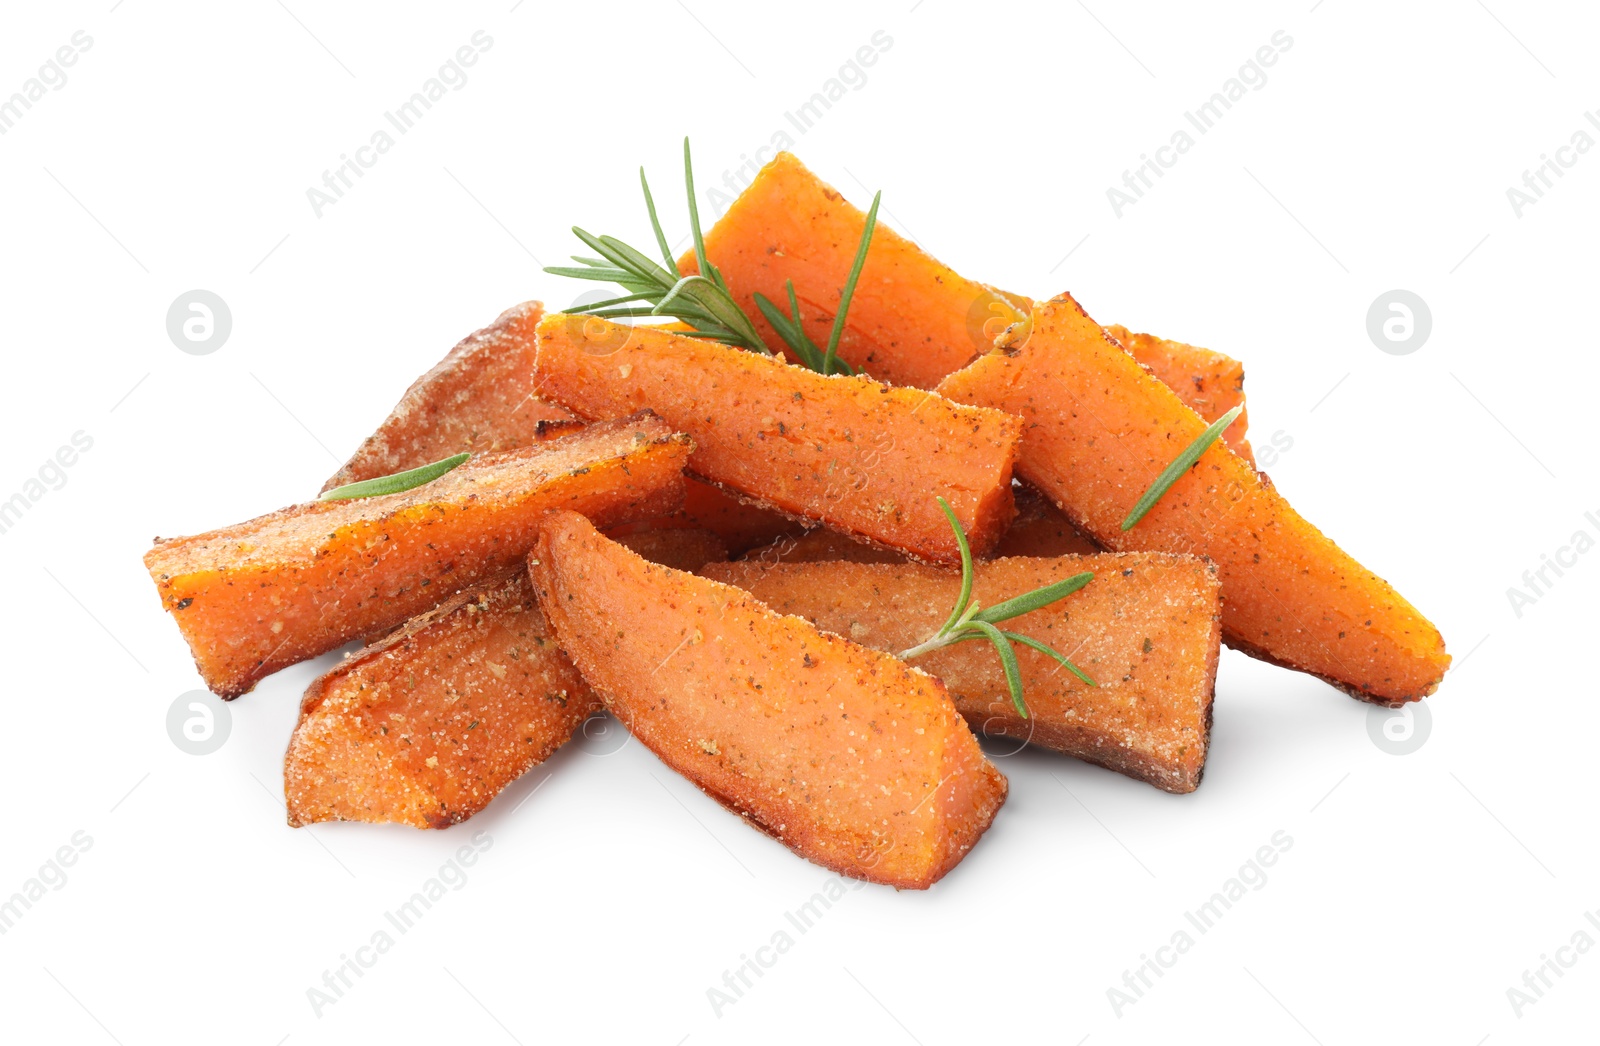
point(1146, 629)
point(257, 596)
point(1099, 428)
point(912, 321)
point(429, 725)
point(1209, 382)
point(847, 756)
point(856, 455)
point(478, 398)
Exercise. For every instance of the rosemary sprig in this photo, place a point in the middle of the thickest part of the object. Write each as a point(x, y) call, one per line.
point(394, 484)
point(701, 300)
point(970, 621)
point(1178, 467)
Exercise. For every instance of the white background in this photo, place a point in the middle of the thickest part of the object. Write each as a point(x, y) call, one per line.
point(1418, 888)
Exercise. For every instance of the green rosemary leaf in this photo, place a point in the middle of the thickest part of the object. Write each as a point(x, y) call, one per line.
point(655, 224)
point(1008, 661)
point(850, 286)
point(368, 488)
point(1179, 466)
point(966, 567)
point(792, 335)
point(615, 257)
point(593, 306)
point(1046, 648)
point(705, 265)
point(648, 270)
point(1039, 597)
point(606, 275)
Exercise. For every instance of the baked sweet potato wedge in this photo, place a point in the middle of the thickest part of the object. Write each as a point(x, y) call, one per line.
point(912, 321)
point(478, 398)
point(430, 724)
point(295, 583)
point(859, 456)
point(1209, 382)
point(1147, 629)
point(847, 756)
point(1099, 429)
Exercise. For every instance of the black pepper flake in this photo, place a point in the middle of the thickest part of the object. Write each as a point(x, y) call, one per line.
point(183, 604)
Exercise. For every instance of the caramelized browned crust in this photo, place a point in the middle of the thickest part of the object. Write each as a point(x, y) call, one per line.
point(1146, 629)
point(257, 596)
point(851, 758)
point(429, 725)
point(478, 398)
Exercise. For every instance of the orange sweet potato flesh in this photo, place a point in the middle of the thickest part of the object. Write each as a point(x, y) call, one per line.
point(429, 725)
point(1147, 629)
point(1209, 382)
point(846, 755)
point(1098, 430)
point(861, 457)
point(478, 398)
point(912, 320)
point(295, 583)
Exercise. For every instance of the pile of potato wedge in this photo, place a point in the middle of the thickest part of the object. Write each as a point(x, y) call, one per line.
point(725, 549)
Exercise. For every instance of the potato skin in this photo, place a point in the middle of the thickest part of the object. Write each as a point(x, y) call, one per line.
point(255, 597)
point(478, 398)
point(859, 456)
point(1147, 629)
point(1098, 430)
point(427, 726)
point(849, 757)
